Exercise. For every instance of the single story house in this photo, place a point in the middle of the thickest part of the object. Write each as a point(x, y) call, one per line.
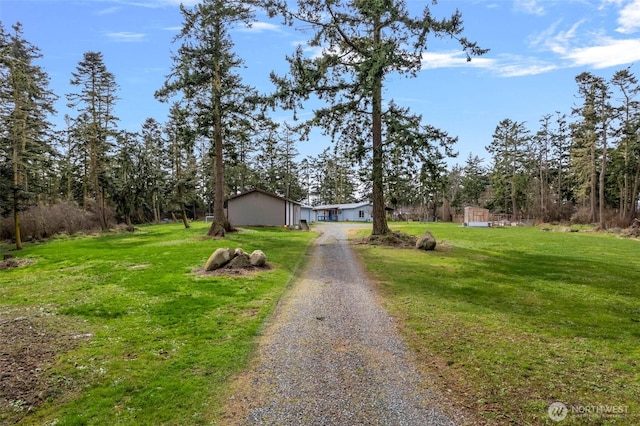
point(262, 208)
point(475, 216)
point(353, 212)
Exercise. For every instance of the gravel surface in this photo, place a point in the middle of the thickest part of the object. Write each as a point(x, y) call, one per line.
point(332, 355)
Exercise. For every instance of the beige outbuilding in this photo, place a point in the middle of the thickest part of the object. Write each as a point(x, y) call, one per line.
point(261, 208)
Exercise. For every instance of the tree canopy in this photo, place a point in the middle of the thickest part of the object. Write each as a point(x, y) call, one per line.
point(361, 43)
point(205, 73)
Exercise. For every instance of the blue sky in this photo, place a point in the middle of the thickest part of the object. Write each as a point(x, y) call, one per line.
point(537, 49)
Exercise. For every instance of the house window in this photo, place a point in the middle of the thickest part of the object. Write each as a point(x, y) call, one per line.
point(361, 213)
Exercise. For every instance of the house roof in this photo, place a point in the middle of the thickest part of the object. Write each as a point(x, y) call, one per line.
point(349, 206)
point(261, 191)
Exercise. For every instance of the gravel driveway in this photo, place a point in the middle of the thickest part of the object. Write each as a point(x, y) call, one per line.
point(331, 354)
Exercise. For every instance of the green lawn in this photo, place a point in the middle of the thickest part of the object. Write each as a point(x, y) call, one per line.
point(512, 319)
point(164, 342)
point(508, 319)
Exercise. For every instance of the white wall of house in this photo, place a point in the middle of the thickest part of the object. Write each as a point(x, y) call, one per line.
point(354, 212)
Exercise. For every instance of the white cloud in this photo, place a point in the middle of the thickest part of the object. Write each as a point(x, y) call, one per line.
point(126, 36)
point(155, 3)
point(454, 59)
point(184, 2)
point(108, 10)
point(523, 67)
point(503, 65)
point(260, 27)
point(532, 7)
point(629, 18)
point(607, 53)
point(557, 42)
point(450, 59)
point(595, 49)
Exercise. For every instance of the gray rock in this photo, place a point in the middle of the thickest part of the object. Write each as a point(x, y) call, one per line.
point(240, 261)
point(218, 259)
point(426, 242)
point(258, 258)
point(239, 252)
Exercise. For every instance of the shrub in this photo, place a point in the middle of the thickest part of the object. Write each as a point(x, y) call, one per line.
point(45, 220)
point(582, 216)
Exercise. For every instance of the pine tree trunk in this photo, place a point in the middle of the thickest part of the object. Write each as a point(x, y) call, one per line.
point(102, 206)
point(634, 197)
point(220, 224)
point(19, 141)
point(185, 220)
point(16, 219)
point(379, 215)
point(603, 172)
point(594, 174)
point(154, 207)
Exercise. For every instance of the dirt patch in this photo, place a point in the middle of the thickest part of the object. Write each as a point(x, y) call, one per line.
point(9, 262)
point(398, 240)
point(233, 272)
point(393, 239)
point(32, 339)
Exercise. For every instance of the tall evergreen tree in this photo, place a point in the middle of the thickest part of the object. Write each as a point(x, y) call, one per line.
point(274, 164)
point(363, 42)
point(541, 149)
point(452, 195)
point(474, 181)
point(25, 103)
point(127, 176)
point(562, 179)
point(205, 72)
point(332, 179)
point(95, 123)
point(305, 179)
point(268, 165)
point(433, 183)
point(155, 166)
point(590, 140)
point(181, 141)
point(628, 147)
point(509, 149)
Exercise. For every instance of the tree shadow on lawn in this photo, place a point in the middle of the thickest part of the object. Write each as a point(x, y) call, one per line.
point(512, 331)
point(565, 294)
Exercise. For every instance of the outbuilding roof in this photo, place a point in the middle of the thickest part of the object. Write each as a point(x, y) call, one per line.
point(262, 191)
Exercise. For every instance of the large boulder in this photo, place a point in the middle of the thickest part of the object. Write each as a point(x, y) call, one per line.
point(241, 260)
point(426, 242)
point(258, 258)
point(219, 258)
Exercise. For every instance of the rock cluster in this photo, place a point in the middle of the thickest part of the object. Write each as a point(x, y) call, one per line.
point(235, 259)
